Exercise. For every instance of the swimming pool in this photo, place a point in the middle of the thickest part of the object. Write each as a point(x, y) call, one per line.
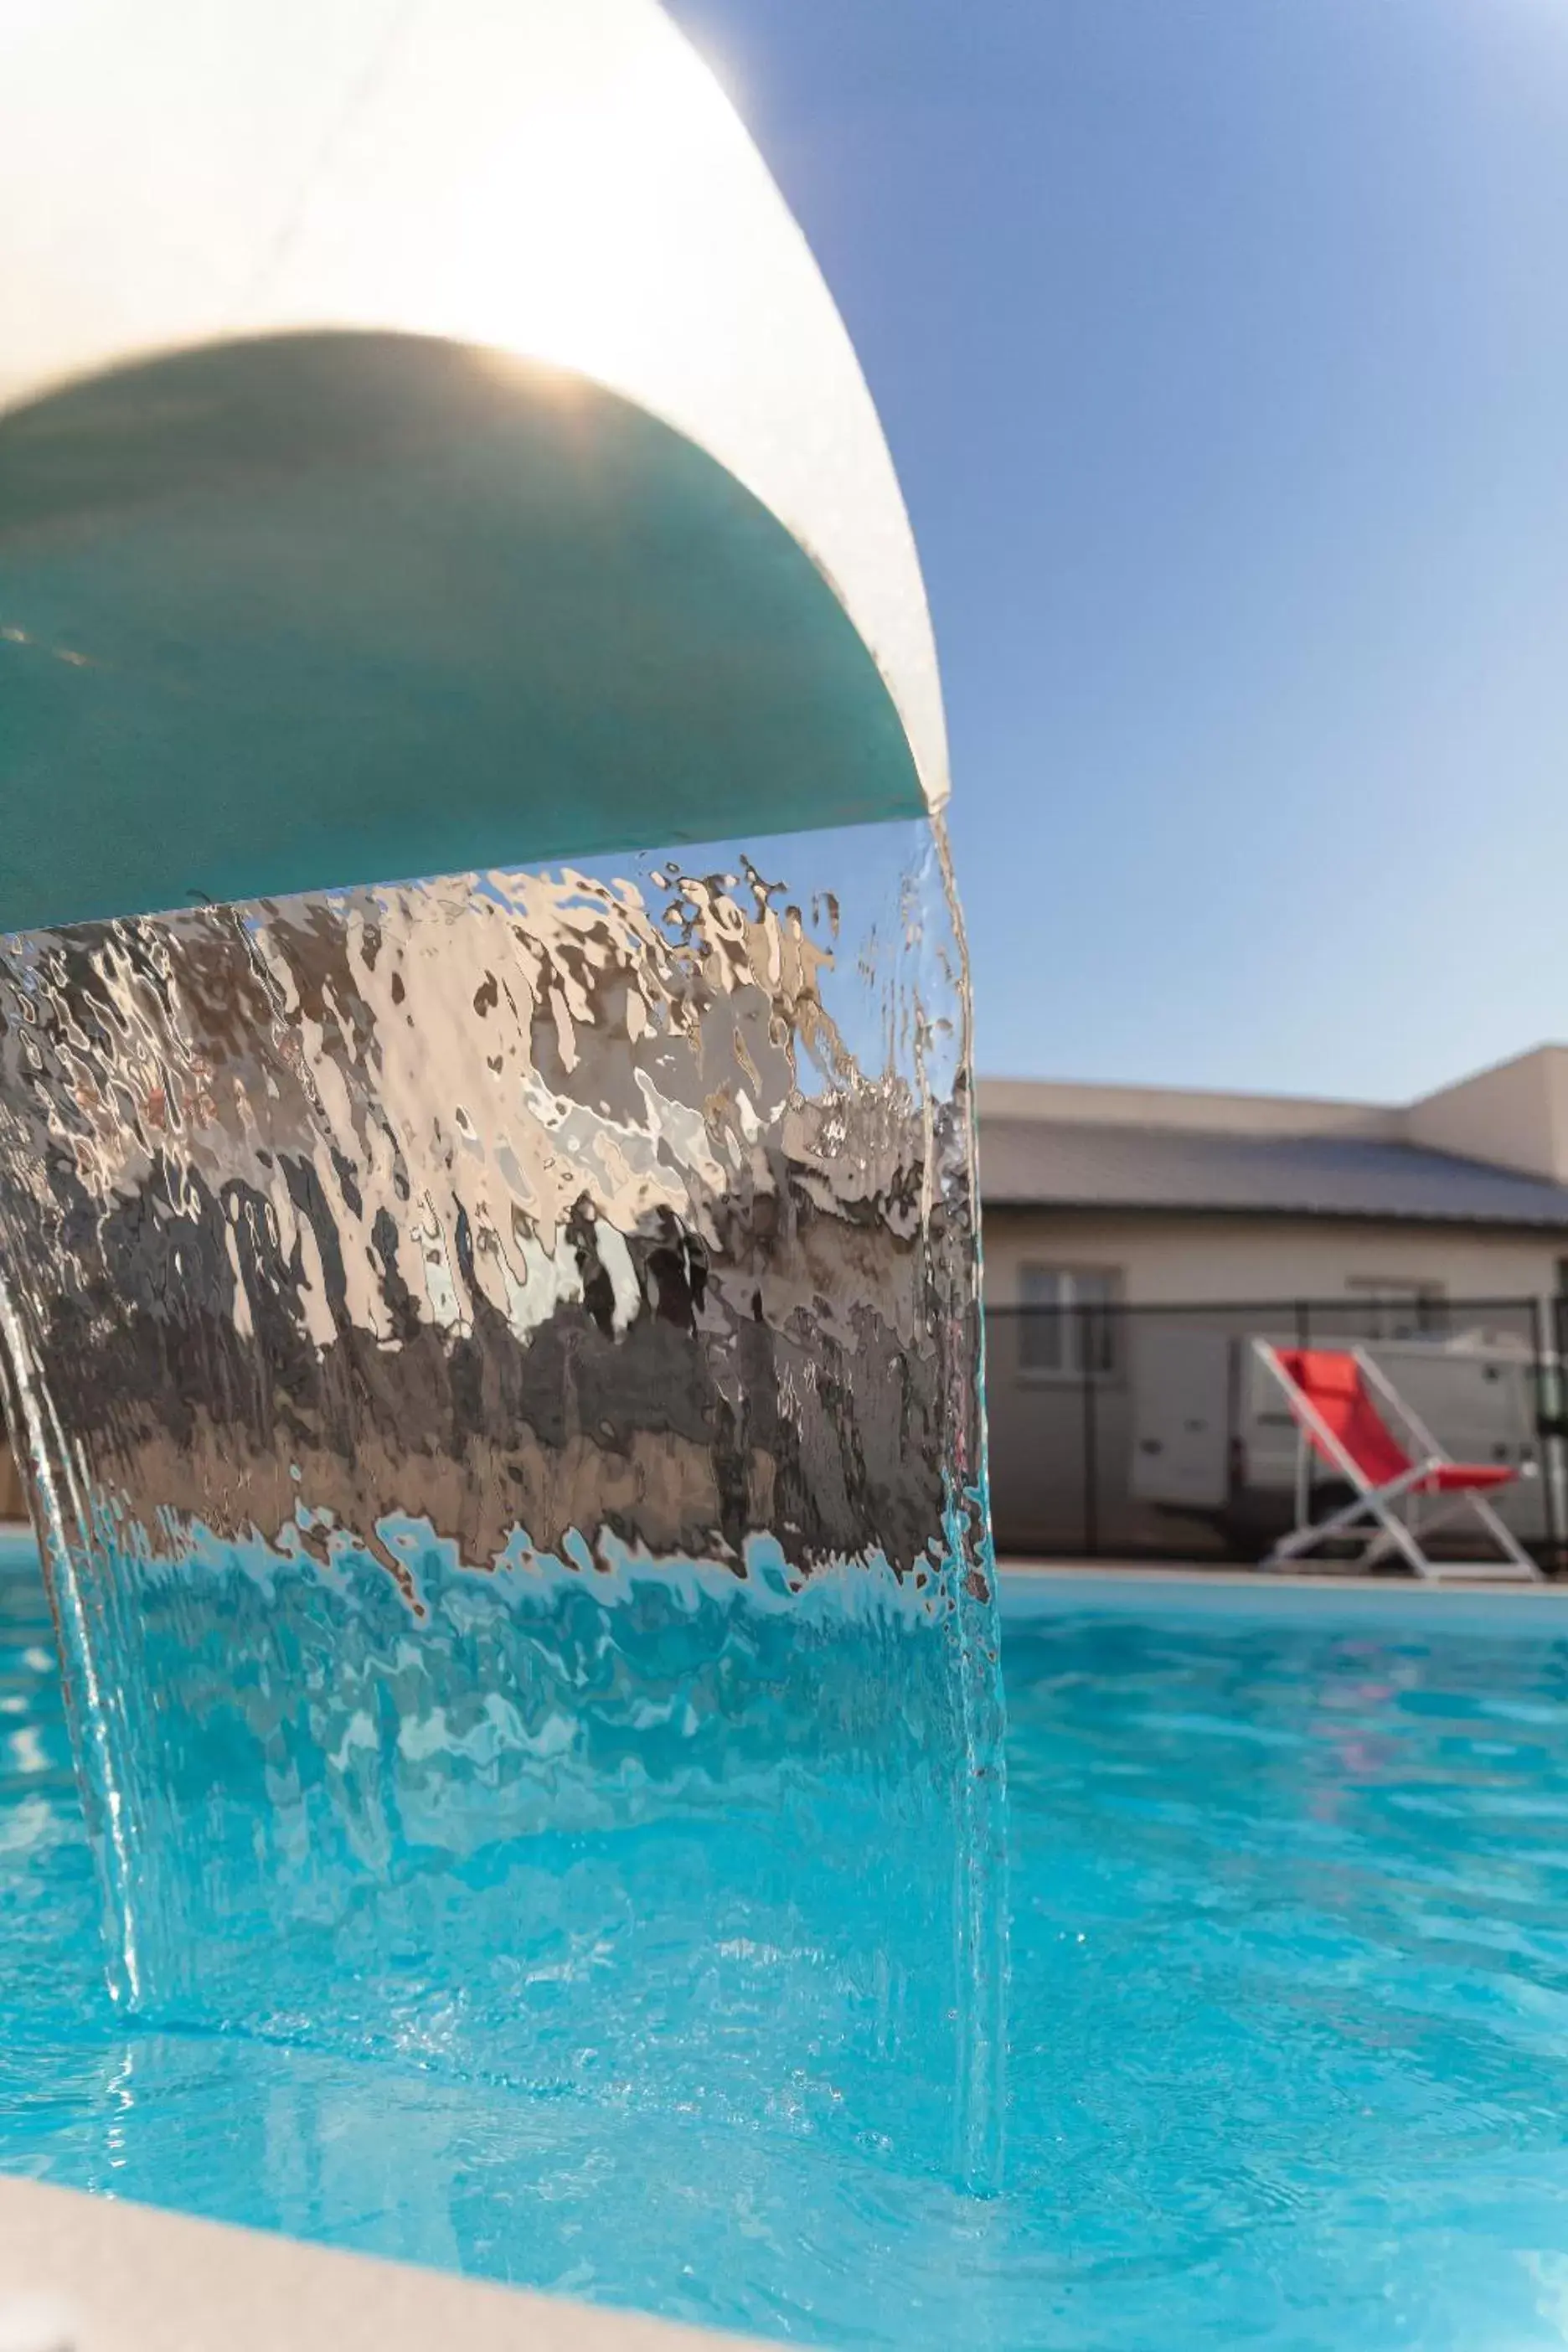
point(1290, 2023)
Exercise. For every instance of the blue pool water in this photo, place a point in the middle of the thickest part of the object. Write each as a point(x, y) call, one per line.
point(1288, 2026)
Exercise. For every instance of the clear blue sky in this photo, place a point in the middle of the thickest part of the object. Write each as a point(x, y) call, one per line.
point(1223, 348)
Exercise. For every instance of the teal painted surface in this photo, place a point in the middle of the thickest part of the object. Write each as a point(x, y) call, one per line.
point(330, 609)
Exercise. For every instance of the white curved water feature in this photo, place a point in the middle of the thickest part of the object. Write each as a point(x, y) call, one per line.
point(519, 183)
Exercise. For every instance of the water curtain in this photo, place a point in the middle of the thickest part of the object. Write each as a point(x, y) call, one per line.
point(499, 1360)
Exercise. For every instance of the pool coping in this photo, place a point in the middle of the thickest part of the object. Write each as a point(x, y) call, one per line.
point(94, 2273)
point(1033, 1589)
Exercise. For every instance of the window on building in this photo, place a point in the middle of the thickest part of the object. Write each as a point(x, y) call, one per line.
point(1068, 1326)
point(1396, 1307)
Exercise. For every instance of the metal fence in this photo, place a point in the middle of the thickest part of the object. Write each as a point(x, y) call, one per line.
point(1152, 1433)
point(1145, 1432)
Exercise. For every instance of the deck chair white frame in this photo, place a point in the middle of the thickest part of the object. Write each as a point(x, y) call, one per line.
point(1397, 1513)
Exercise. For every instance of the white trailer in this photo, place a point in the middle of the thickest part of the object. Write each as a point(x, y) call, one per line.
point(1212, 1437)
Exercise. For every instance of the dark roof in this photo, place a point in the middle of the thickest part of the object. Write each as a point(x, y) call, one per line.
point(1043, 1163)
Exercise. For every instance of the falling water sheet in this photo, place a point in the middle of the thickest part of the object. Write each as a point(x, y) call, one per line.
point(499, 1359)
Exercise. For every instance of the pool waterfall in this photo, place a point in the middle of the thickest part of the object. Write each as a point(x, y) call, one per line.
point(499, 1361)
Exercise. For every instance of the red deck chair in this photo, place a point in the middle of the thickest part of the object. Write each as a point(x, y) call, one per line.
point(1342, 1406)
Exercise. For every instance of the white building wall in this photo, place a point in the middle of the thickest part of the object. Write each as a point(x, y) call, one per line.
point(1220, 1260)
point(1515, 1116)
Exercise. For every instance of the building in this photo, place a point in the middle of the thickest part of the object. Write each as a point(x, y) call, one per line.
point(1153, 1194)
point(1107, 1208)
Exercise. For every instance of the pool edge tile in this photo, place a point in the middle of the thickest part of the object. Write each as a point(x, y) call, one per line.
point(88, 2274)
